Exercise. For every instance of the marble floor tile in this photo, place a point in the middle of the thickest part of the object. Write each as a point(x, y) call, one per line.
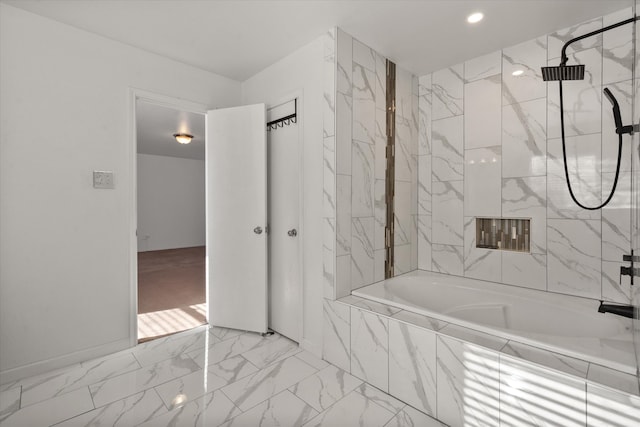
point(9, 402)
point(312, 360)
point(175, 393)
point(224, 333)
point(410, 417)
point(155, 351)
point(42, 387)
point(325, 387)
point(267, 382)
point(127, 412)
point(378, 396)
point(144, 378)
point(207, 411)
point(353, 410)
point(272, 351)
point(284, 409)
point(219, 351)
point(52, 411)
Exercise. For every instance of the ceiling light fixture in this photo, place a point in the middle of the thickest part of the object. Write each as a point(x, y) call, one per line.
point(183, 138)
point(517, 73)
point(475, 17)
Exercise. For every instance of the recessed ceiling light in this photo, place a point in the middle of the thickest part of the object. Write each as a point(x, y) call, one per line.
point(475, 17)
point(517, 73)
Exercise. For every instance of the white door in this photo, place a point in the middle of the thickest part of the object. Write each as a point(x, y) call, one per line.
point(237, 217)
point(285, 306)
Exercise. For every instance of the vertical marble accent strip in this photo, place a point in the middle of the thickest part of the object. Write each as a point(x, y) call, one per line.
point(424, 242)
point(343, 215)
point(328, 257)
point(362, 182)
point(344, 123)
point(362, 252)
point(448, 149)
point(447, 213)
point(482, 112)
point(344, 63)
point(447, 91)
point(424, 115)
point(524, 139)
point(336, 345)
point(482, 182)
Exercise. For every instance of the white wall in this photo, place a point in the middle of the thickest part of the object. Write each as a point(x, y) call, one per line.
point(171, 202)
point(65, 247)
point(303, 71)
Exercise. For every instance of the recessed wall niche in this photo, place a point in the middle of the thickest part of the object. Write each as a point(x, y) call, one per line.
point(506, 234)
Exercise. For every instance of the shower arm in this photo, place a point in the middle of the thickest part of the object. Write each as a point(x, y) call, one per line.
point(564, 58)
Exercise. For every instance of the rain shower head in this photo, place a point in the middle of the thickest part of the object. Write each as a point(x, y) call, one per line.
point(563, 72)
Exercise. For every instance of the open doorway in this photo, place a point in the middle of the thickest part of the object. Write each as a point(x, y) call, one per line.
point(171, 220)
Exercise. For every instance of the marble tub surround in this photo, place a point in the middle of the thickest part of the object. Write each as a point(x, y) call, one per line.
point(261, 381)
point(462, 376)
point(478, 110)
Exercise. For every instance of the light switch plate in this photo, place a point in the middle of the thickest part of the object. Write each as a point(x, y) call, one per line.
point(103, 179)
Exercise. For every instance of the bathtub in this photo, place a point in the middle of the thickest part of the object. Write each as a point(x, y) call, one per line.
point(560, 323)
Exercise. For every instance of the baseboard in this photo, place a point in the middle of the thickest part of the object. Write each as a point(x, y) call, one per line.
point(14, 374)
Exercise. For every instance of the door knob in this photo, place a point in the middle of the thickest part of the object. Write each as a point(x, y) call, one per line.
point(292, 232)
point(257, 230)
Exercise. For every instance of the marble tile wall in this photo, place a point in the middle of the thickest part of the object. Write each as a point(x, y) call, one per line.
point(635, 208)
point(463, 377)
point(355, 164)
point(489, 146)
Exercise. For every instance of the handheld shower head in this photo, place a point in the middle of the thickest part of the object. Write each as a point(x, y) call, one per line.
point(563, 72)
point(616, 108)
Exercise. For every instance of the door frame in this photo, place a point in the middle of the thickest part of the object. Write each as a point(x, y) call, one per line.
point(299, 95)
point(136, 95)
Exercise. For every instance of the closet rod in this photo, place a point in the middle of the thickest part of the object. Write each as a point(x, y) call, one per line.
point(291, 118)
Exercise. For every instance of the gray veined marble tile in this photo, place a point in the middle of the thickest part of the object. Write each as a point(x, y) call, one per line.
point(524, 139)
point(483, 66)
point(181, 390)
point(329, 96)
point(328, 256)
point(381, 82)
point(402, 261)
point(530, 395)
point(583, 158)
point(362, 252)
point(404, 151)
point(527, 57)
point(419, 320)
point(379, 256)
point(558, 362)
point(424, 122)
point(155, 351)
point(381, 398)
point(9, 402)
point(381, 144)
point(364, 105)
point(412, 365)
point(404, 92)
point(272, 351)
point(527, 198)
point(447, 90)
point(482, 112)
point(607, 408)
point(424, 84)
point(330, 42)
point(52, 411)
point(343, 276)
point(46, 386)
point(343, 215)
point(364, 55)
point(447, 217)
point(410, 417)
point(376, 307)
point(616, 217)
point(144, 378)
point(402, 213)
point(362, 181)
point(582, 99)
point(284, 409)
point(482, 183)
point(209, 410)
point(574, 257)
point(267, 382)
point(226, 349)
point(370, 348)
point(526, 270)
point(353, 410)
point(611, 378)
point(344, 62)
point(329, 180)
point(448, 259)
point(224, 333)
point(424, 242)
point(130, 411)
point(380, 214)
point(479, 263)
point(448, 149)
point(615, 288)
point(468, 384)
point(557, 39)
point(312, 360)
point(325, 388)
point(336, 336)
point(617, 48)
point(344, 133)
point(424, 185)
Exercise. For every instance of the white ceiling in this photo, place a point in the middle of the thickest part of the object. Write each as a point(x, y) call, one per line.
point(239, 38)
point(155, 126)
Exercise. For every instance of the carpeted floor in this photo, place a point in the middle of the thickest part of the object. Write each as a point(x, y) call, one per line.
point(171, 291)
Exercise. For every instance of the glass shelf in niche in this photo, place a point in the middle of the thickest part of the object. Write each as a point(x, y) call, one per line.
point(505, 234)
